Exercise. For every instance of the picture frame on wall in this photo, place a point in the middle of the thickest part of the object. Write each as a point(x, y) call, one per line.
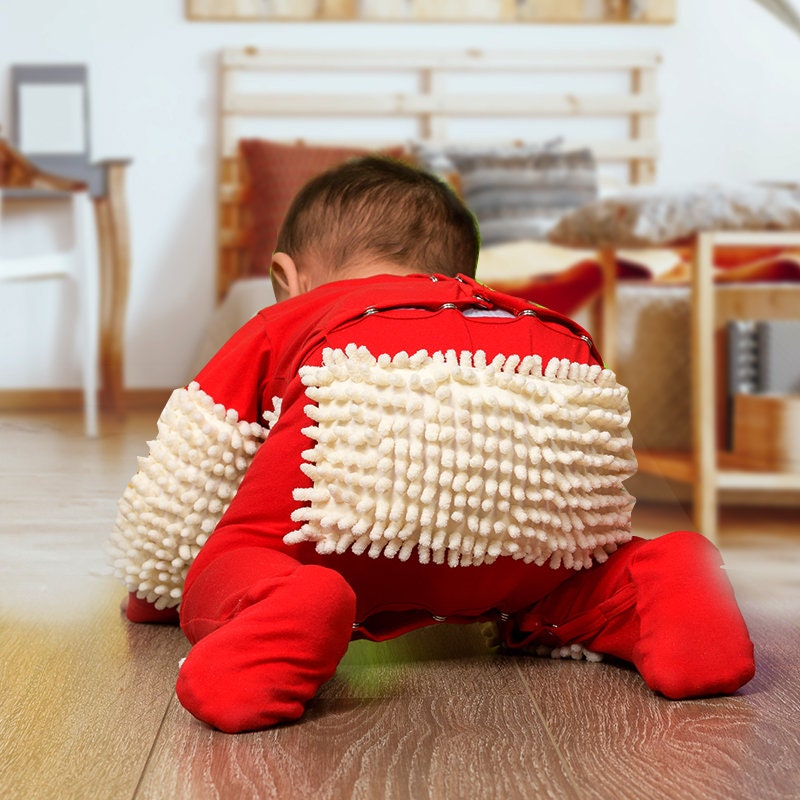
point(508, 11)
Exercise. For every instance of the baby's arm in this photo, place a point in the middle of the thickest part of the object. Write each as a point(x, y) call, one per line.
point(208, 433)
point(175, 500)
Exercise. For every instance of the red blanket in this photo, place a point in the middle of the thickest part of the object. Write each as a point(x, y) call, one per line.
point(569, 290)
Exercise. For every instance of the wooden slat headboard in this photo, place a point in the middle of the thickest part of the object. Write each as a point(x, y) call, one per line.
point(253, 89)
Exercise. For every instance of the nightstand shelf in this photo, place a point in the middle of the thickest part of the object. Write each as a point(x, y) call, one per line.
point(678, 465)
point(705, 467)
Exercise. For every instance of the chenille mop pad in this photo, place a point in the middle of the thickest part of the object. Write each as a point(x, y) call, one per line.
point(463, 460)
point(182, 488)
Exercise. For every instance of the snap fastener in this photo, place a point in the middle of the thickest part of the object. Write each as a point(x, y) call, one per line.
point(549, 635)
point(447, 305)
point(460, 279)
point(586, 339)
point(438, 618)
point(528, 312)
point(433, 278)
point(370, 310)
point(482, 299)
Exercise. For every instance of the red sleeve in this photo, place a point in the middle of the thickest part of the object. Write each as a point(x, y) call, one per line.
point(236, 376)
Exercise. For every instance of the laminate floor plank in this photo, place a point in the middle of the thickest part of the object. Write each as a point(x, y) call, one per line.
point(430, 715)
point(82, 692)
point(83, 696)
point(88, 710)
point(622, 741)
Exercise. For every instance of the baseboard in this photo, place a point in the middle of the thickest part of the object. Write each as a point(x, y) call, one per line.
point(49, 400)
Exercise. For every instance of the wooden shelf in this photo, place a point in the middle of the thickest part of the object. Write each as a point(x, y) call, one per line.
point(678, 465)
point(704, 467)
point(758, 481)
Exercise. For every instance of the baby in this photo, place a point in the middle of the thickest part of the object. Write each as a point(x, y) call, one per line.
point(394, 445)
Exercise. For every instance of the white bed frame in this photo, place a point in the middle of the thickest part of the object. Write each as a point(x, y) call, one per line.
point(253, 89)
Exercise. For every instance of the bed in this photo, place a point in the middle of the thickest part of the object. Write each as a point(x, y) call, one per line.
point(585, 123)
point(582, 124)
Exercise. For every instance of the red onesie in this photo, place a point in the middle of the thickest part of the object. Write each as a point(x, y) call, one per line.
point(391, 452)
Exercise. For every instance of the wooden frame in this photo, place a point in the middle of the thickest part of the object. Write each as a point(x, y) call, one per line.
point(431, 106)
point(503, 11)
point(707, 467)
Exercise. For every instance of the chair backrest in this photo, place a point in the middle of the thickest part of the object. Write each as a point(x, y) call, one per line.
point(50, 107)
point(51, 112)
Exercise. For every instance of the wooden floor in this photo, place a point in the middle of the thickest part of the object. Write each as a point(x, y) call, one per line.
point(87, 708)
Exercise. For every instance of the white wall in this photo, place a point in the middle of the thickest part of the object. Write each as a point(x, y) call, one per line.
point(729, 85)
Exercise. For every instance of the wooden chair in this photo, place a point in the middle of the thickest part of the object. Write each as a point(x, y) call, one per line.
point(79, 263)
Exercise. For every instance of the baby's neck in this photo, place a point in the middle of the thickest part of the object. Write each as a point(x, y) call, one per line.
point(368, 269)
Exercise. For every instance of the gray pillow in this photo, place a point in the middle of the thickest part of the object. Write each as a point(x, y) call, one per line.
point(517, 192)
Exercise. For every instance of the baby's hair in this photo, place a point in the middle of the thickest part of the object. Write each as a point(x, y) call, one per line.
point(380, 209)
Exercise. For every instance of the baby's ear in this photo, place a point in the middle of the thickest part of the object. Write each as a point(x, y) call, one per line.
point(284, 276)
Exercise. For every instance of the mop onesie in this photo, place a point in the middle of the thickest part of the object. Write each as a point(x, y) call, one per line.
point(390, 452)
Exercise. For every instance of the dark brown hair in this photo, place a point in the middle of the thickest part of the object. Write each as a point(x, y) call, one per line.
point(376, 208)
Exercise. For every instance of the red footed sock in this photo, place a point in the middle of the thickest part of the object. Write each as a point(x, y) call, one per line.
point(692, 640)
point(265, 651)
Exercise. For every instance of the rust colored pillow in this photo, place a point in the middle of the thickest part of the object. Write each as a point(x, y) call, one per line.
point(277, 172)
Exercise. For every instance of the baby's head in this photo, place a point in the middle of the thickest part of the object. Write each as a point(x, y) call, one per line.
point(370, 216)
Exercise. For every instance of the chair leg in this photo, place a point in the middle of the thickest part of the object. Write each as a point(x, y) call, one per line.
point(89, 305)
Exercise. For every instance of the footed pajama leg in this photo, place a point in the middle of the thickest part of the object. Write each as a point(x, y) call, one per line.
point(693, 640)
point(665, 605)
point(267, 632)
